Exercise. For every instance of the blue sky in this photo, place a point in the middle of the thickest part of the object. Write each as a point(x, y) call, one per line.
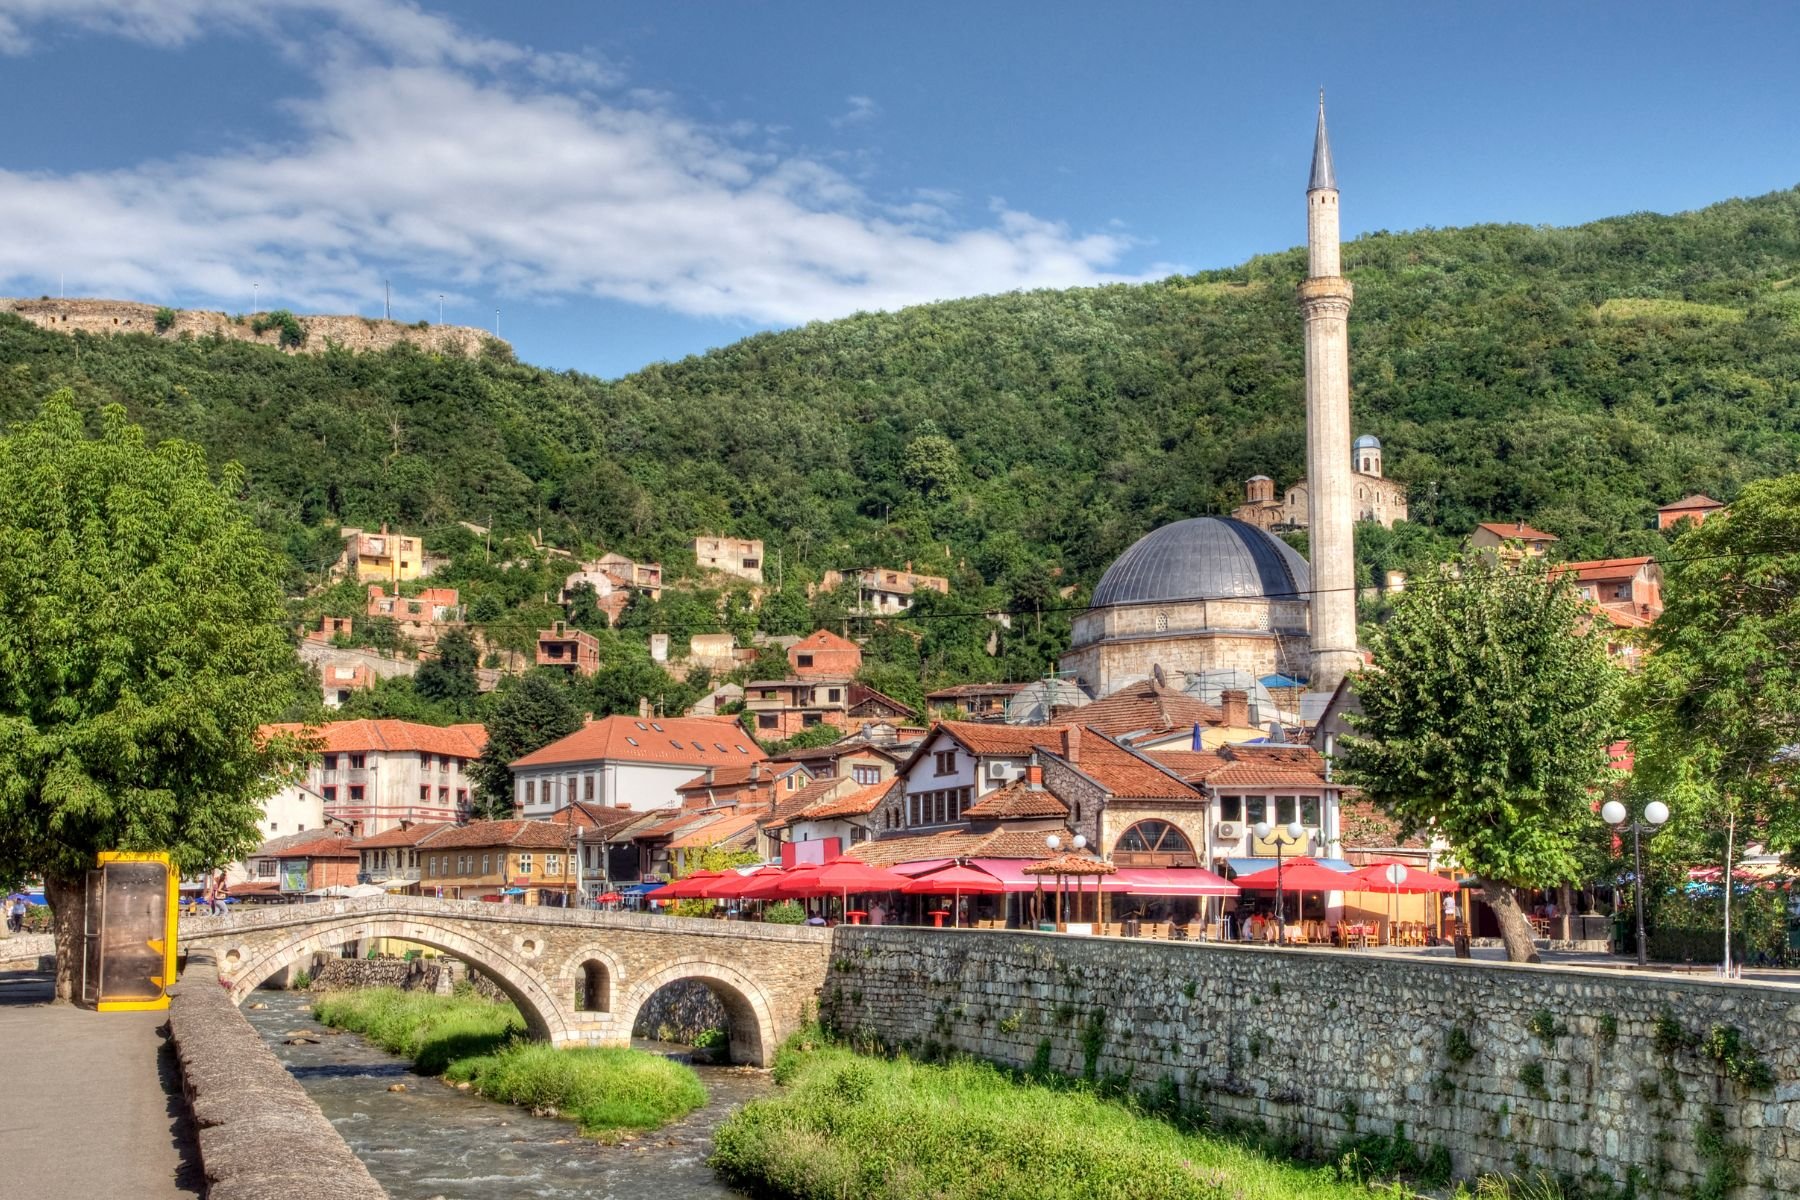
point(631, 181)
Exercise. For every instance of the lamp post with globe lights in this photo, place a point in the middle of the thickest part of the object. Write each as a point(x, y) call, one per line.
point(1656, 814)
point(1054, 843)
point(1296, 833)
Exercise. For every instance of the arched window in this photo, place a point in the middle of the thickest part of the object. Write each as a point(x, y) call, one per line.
point(593, 991)
point(1154, 843)
point(1162, 622)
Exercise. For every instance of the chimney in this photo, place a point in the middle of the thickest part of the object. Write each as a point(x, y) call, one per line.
point(1521, 527)
point(710, 776)
point(1234, 703)
point(1034, 773)
point(643, 708)
point(755, 772)
point(1073, 739)
point(909, 566)
point(587, 718)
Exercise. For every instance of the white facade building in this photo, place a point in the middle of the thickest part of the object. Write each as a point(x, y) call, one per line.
point(638, 762)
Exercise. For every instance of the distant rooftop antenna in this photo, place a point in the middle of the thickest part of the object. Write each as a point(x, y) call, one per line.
point(496, 321)
point(387, 301)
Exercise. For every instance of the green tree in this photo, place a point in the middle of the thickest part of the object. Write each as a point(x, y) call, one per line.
point(1716, 710)
point(143, 642)
point(932, 466)
point(448, 677)
point(1486, 719)
point(532, 712)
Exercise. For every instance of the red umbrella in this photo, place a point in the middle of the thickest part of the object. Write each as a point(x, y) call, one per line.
point(683, 889)
point(609, 897)
point(955, 882)
point(840, 877)
point(766, 887)
point(1301, 874)
point(1374, 878)
point(731, 885)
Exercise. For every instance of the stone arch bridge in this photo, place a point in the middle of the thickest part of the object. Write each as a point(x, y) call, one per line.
point(578, 977)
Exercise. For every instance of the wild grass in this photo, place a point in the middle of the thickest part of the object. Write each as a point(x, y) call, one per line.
point(467, 1038)
point(1668, 312)
point(848, 1125)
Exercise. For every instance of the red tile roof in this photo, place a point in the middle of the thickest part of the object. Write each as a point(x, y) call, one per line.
point(862, 693)
point(1599, 569)
point(1016, 801)
point(1252, 765)
point(955, 843)
point(790, 806)
point(824, 639)
point(1146, 706)
point(597, 819)
point(736, 775)
point(1692, 503)
point(1365, 827)
point(1516, 531)
point(1016, 740)
point(309, 844)
point(398, 836)
point(670, 826)
point(1126, 773)
point(364, 736)
point(674, 741)
point(526, 835)
point(714, 833)
point(859, 803)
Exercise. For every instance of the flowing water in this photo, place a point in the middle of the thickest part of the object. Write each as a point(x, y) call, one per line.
point(432, 1140)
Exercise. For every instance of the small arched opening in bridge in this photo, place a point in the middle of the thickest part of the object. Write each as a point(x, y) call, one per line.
point(745, 1009)
point(593, 988)
point(521, 983)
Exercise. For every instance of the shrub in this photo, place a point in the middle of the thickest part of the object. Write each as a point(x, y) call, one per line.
point(164, 320)
point(787, 912)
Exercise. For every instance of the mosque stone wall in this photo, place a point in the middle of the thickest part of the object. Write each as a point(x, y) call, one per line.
point(1507, 1068)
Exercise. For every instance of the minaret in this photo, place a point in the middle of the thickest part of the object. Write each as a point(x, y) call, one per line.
point(1325, 303)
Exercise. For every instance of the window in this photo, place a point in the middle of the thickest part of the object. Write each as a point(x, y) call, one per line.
point(443, 795)
point(265, 868)
point(330, 795)
point(425, 761)
point(484, 864)
point(273, 827)
point(356, 762)
point(462, 863)
point(1231, 808)
point(766, 720)
point(944, 762)
point(553, 864)
point(444, 763)
point(1286, 810)
point(633, 740)
point(1154, 843)
point(531, 791)
point(1309, 810)
point(524, 864)
point(1162, 622)
point(569, 795)
point(808, 720)
point(866, 775)
point(356, 793)
point(587, 788)
point(793, 781)
point(331, 762)
point(1256, 809)
point(803, 660)
point(833, 695)
point(424, 791)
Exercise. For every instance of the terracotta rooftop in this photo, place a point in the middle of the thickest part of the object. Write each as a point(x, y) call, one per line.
point(790, 806)
point(893, 751)
point(311, 843)
point(674, 825)
point(858, 803)
point(1692, 503)
point(1147, 705)
point(675, 741)
point(1018, 800)
point(862, 693)
point(738, 774)
point(1126, 773)
point(1248, 765)
point(714, 833)
point(596, 820)
point(1516, 531)
point(1365, 827)
point(956, 843)
point(526, 835)
point(338, 737)
point(402, 836)
point(823, 639)
point(1601, 568)
point(1017, 740)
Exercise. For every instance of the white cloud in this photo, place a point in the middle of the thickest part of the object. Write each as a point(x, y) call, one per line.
point(862, 110)
point(472, 166)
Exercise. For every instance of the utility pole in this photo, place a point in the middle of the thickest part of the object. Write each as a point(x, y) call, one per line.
point(496, 320)
point(440, 308)
point(387, 301)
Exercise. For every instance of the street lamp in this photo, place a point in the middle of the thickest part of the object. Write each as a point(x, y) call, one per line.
point(1296, 833)
point(1656, 813)
point(1054, 843)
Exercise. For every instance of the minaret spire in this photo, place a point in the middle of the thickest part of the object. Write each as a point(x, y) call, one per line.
point(1322, 174)
point(1325, 297)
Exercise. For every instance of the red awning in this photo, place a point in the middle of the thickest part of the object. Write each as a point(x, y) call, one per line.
point(1300, 875)
point(1173, 881)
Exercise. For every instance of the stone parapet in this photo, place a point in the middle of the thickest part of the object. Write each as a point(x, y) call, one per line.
point(1509, 1068)
point(261, 1136)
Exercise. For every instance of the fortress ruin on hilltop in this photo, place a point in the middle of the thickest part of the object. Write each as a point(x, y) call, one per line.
point(320, 332)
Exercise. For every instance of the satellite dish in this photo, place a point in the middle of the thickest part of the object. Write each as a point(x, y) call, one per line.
point(1277, 733)
point(1156, 673)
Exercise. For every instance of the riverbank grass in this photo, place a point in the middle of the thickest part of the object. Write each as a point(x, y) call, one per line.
point(608, 1091)
point(849, 1125)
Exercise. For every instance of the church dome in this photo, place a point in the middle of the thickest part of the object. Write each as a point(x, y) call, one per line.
point(1204, 558)
point(1367, 441)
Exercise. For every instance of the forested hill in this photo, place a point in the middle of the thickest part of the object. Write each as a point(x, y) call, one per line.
point(1571, 377)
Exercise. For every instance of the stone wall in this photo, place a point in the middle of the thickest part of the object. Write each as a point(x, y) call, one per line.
point(260, 1134)
point(27, 952)
point(334, 974)
point(1508, 1068)
point(349, 333)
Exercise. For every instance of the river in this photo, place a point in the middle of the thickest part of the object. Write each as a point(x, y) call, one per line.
point(432, 1140)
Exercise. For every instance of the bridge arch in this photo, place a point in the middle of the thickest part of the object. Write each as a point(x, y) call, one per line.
point(544, 1016)
point(754, 1033)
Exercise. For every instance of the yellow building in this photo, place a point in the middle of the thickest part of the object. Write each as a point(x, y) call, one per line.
point(383, 555)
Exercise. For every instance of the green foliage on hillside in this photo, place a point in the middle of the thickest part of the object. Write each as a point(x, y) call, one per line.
point(1571, 377)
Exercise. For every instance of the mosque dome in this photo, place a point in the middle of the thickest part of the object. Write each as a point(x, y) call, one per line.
point(1204, 558)
point(1367, 441)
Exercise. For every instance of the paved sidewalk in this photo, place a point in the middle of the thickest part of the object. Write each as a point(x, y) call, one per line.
point(92, 1104)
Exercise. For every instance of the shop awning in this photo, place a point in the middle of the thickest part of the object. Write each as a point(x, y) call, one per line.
point(1172, 881)
point(1011, 872)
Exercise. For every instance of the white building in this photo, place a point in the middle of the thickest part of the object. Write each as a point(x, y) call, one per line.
point(742, 557)
point(372, 775)
point(637, 762)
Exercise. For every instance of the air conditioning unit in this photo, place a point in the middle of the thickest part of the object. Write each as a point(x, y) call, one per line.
point(1000, 772)
point(1228, 830)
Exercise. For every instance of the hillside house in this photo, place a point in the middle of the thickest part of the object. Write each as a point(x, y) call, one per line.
point(972, 701)
point(375, 774)
point(1696, 508)
point(823, 653)
point(574, 650)
point(739, 557)
point(884, 589)
point(1511, 541)
point(385, 555)
point(634, 761)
